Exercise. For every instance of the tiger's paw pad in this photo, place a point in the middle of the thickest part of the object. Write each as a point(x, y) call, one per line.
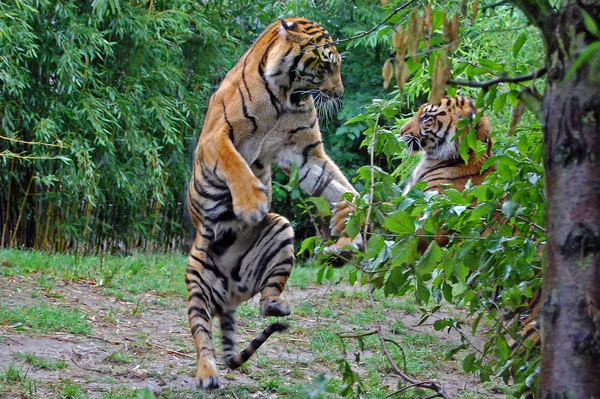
point(275, 307)
point(252, 206)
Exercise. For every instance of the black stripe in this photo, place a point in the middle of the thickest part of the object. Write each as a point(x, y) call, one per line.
point(227, 120)
point(296, 130)
point(244, 74)
point(213, 180)
point(306, 150)
point(304, 176)
point(251, 118)
point(267, 257)
point(274, 100)
point(323, 186)
point(226, 240)
point(445, 164)
point(201, 312)
point(201, 327)
point(294, 67)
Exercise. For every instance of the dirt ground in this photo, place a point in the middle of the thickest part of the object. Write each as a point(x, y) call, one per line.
point(155, 334)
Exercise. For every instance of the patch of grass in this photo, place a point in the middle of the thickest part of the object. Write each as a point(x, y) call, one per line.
point(13, 380)
point(122, 393)
point(70, 390)
point(120, 357)
point(41, 363)
point(12, 375)
point(138, 273)
point(46, 318)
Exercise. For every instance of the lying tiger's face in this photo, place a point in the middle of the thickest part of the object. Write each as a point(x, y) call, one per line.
point(433, 127)
point(316, 64)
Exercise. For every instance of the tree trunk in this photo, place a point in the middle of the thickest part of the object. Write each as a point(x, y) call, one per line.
point(570, 315)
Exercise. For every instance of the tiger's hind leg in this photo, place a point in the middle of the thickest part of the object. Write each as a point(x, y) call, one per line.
point(228, 336)
point(200, 310)
point(270, 264)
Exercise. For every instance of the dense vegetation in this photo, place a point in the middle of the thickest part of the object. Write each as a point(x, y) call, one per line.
point(101, 106)
point(102, 102)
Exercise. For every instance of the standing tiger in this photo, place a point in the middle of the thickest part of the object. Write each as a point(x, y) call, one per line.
point(262, 113)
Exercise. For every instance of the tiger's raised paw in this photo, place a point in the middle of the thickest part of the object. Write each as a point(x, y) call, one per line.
point(275, 307)
point(250, 202)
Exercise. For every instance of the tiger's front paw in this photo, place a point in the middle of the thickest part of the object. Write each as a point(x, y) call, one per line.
point(250, 202)
point(341, 211)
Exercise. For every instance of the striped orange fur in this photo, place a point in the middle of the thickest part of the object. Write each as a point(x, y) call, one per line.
point(262, 114)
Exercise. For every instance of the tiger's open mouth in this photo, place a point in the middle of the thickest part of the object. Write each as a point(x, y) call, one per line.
point(326, 104)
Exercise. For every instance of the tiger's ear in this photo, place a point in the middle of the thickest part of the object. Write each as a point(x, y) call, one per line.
point(291, 31)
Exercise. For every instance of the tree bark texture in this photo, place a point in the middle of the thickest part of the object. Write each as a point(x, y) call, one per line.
point(570, 315)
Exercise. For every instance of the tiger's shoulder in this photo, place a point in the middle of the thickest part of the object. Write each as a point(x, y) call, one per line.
point(434, 129)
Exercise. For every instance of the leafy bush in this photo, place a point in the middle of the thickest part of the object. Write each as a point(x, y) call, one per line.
point(492, 264)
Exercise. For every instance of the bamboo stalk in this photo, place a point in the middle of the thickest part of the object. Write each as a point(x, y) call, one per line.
point(12, 168)
point(16, 229)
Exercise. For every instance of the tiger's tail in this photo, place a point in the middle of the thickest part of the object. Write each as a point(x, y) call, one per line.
point(234, 361)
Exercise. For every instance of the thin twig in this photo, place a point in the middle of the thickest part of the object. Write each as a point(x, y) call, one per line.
point(403, 389)
point(32, 142)
point(411, 380)
point(348, 335)
point(169, 350)
point(502, 79)
point(358, 36)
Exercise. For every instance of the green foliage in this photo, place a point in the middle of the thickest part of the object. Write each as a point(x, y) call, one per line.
point(492, 264)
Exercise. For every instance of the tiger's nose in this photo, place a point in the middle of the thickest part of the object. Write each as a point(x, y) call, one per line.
point(338, 92)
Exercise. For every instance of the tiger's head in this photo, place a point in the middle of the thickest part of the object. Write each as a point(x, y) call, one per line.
point(434, 126)
point(306, 63)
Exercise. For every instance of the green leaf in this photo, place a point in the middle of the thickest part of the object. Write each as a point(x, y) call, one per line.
point(462, 272)
point(468, 363)
point(352, 277)
point(404, 252)
point(509, 208)
point(518, 44)
point(502, 349)
point(463, 149)
point(309, 245)
point(447, 291)
point(450, 354)
point(322, 205)
point(490, 64)
point(422, 293)
point(429, 260)
point(400, 222)
point(590, 24)
point(584, 56)
point(500, 102)
point(353, 226)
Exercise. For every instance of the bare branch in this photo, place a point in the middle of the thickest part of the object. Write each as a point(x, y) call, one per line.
point(501, 79)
